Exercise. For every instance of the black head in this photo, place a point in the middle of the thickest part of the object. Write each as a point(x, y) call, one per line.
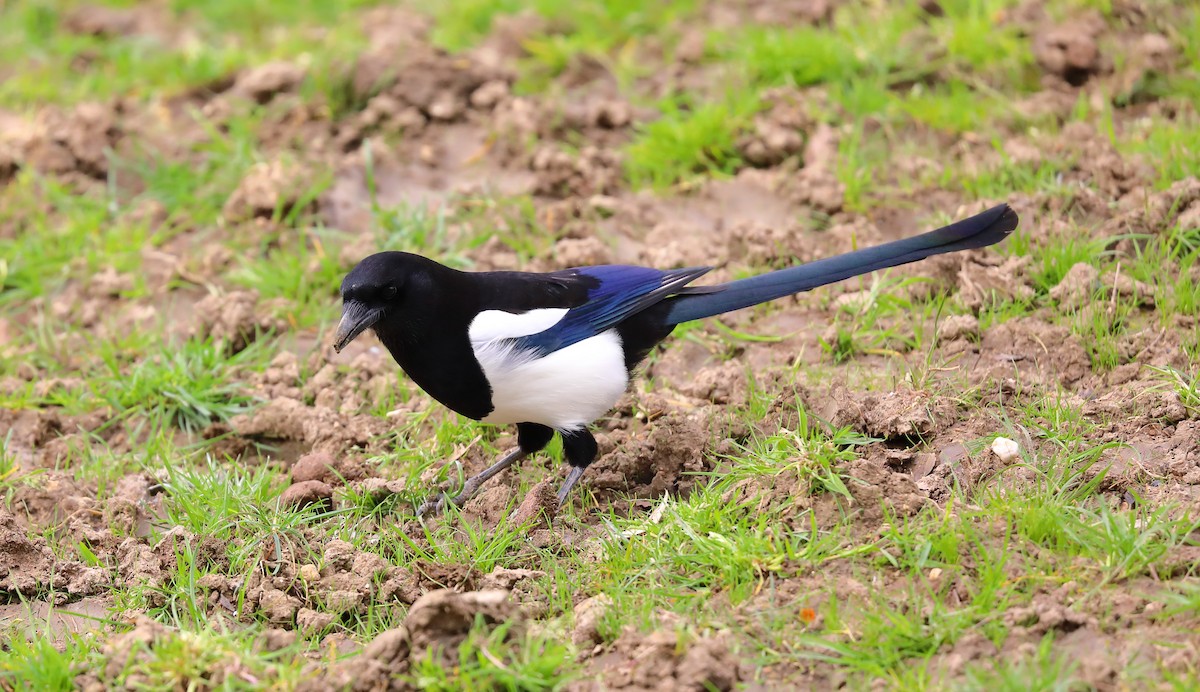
point(378, 286)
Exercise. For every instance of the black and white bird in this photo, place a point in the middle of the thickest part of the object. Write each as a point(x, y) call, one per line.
point(553, 352)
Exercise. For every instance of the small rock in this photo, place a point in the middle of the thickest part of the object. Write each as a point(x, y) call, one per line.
point(305, 493)
point(1007, 450)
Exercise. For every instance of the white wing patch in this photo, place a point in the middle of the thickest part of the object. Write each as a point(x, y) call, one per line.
point(566, 390)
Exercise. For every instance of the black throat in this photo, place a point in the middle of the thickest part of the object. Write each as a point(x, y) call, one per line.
point(428, 339)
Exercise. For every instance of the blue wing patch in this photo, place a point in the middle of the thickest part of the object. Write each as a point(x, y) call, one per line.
point(621, 291)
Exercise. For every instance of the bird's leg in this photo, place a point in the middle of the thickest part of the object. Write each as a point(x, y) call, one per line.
point(531, 438)
point(580, 449)
point(573, 477)
point(471, 487)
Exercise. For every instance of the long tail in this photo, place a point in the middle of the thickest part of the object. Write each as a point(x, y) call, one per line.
point(981, 230)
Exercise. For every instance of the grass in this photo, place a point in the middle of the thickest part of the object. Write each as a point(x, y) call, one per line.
point(816, 551)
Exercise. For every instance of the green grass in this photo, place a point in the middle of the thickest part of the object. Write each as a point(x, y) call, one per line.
point(491, 659)
point(685, 142)
point(223, 38)
point(813, 548)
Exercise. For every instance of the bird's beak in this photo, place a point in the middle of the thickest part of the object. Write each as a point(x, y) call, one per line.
point(356, 318)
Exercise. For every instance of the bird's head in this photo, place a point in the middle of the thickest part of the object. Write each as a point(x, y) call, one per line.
point(373, 290)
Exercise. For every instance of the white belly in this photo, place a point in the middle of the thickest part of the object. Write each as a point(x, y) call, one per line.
point(565, 390)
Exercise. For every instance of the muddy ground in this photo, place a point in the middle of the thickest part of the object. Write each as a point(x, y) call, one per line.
point(426, 128)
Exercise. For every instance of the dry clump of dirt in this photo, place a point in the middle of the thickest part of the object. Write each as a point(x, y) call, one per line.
point(312, 597)
point(1156, 212)
point(977, 276)
point(792, 12)
point(69, 142)
point(894, 416)
point(1104, 638)
point(1082, 284)
point(56, 501)
point(1158, 450)
point(366, 381)
point(817, 184)
point(131, 654)
point(112, 22)
point(263, 83)
point(236, 319)
point(407, 85)
point(321, 428)
point(154, 566)
point(1099, 163)
point(958, 327)
point(1031, 351)
point(540, 505)
point(650, 462)
point(315, 475)
point(1070, 52)
point(435, 625)
point(758, 243)
point(660, 661)
point(593, 171)
point(777, 132)
point(725, 384)
point(579, 252)
point(30, 569)
point(269, 188)
point(42, 438)
point(325, 467)
point(99, 302)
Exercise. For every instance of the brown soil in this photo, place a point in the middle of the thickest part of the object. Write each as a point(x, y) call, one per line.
point(450, 129)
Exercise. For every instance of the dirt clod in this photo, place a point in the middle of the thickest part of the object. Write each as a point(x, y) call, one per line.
point(540, 505)
point(323, 466)
point(262, 83)
point(269, 188)
point(657, 661)
point(588, 614)
point(236, 319)
point(1069, 51)
point(305, 493)
point(958, 327)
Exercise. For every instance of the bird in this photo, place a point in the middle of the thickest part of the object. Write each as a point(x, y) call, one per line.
point(553, 352)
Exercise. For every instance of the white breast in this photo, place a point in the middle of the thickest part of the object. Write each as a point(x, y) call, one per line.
point(565, 390)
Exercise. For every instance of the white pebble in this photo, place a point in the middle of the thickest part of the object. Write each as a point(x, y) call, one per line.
point(1006, 449)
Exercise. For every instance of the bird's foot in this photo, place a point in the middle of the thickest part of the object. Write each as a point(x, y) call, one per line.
point(439, 504)
point(470, 488)
point(434, 506)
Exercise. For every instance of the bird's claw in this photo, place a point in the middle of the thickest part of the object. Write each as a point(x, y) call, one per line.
point(435, 506)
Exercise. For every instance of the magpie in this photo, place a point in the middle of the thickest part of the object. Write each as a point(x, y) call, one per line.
point(552, 352)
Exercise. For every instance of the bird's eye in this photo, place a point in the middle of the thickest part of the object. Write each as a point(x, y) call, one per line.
point(389, 292)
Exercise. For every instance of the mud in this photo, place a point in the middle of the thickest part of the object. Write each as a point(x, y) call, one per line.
point(435, 625)
point(657, 661)
point(425, 128)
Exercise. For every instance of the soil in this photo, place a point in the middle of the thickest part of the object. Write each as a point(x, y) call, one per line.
point(451, 130)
